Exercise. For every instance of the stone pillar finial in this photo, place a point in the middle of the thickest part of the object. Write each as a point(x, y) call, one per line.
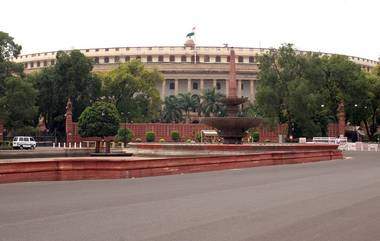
point(69, 122)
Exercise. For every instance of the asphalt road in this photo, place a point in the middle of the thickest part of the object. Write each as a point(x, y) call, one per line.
point(334, 201)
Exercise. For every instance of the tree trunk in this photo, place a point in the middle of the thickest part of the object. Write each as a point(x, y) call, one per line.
point(97, 146)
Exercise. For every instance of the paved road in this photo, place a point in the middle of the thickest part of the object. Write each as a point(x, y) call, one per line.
point(335, 201)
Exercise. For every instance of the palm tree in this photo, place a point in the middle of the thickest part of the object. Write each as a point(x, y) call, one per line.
point(212, 103)
point(188, 103)
point(171, 111)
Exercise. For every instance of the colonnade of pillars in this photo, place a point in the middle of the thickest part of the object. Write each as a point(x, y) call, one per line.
point(164, 87)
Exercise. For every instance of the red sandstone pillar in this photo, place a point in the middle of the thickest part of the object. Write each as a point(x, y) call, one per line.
point(342, 119)
point(232, 76)
point(69, 122)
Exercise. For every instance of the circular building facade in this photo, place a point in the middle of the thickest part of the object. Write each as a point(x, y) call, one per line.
point(185, 68)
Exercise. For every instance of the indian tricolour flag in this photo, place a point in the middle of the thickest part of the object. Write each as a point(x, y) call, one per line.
point(191, 33)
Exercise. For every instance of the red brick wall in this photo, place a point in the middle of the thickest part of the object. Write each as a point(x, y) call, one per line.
point(187, 131)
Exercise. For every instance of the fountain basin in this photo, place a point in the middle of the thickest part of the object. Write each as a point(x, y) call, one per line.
point(232, 129)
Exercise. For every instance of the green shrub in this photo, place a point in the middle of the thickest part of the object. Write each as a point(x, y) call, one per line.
point(188, 141)
point(198, 137)
point(267, 140)
point(175, 136)
point(124, 135)
point(150, 136)
point(255, 136)
point(162, 140)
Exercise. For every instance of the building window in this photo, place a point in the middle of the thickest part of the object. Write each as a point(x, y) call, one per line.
point(127, 58)
point(228, 59)
point(52, 62)
point(138, 57)
point(149, 58)
point(96, 50)
point(240, 59)
point(45, 63)
point(96, 60)
point(171, 58)
point(26, 65)
point(117, 49)
point(192, 58)
point(38, 64)
point(242, 86)
point(106, 60)
point(31, 65)
point(206, 59)
point(171, 85)
point(217, 59)
point(160, 58)
point(127, 49)
point(251, 59)
point(106, 50)
point(87, 50)
point(117, 59)
point(195, 86)
point(218, 86)
point(45, 54)
point(183, 58)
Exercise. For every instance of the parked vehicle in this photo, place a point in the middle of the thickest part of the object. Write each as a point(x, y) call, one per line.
point(23, 142)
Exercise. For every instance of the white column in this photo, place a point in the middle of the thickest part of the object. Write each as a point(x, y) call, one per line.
point(251, 91)
point(202, 85)
point(189, 85)
point(227, 86)
point(254, 90)
point(214, 83)
point(163, 88)
point(176, 87)
point(238, 87)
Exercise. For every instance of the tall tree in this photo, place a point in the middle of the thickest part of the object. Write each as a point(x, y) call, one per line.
point(18, 103)
point(17, 96)
point(171, 110)
point(188, 103)
point(212, 104)
point(133, 89)
point(8, 50)
point(304, 91)
point(70, 77)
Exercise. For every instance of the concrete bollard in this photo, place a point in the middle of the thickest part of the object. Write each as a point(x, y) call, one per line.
point(75, 145)
point(59, 144)
point(69, 144)
point(80, 144)
point(64, 145)
point(53, 144)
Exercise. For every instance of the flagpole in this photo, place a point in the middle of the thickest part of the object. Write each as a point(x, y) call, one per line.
point(195, 49)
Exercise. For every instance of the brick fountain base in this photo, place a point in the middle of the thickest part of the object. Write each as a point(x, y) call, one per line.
point(81, 169)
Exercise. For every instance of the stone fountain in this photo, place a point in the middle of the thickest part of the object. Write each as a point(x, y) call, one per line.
point(232, 128)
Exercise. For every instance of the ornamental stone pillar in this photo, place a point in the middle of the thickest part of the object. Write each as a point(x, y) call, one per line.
point(69, 122)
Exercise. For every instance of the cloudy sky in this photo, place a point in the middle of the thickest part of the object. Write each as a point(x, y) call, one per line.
point(348, 27)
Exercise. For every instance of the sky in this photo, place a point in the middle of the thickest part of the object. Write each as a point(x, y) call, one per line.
point(349, 27)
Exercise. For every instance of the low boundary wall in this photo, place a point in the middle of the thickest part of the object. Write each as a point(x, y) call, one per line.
point(77, 169)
